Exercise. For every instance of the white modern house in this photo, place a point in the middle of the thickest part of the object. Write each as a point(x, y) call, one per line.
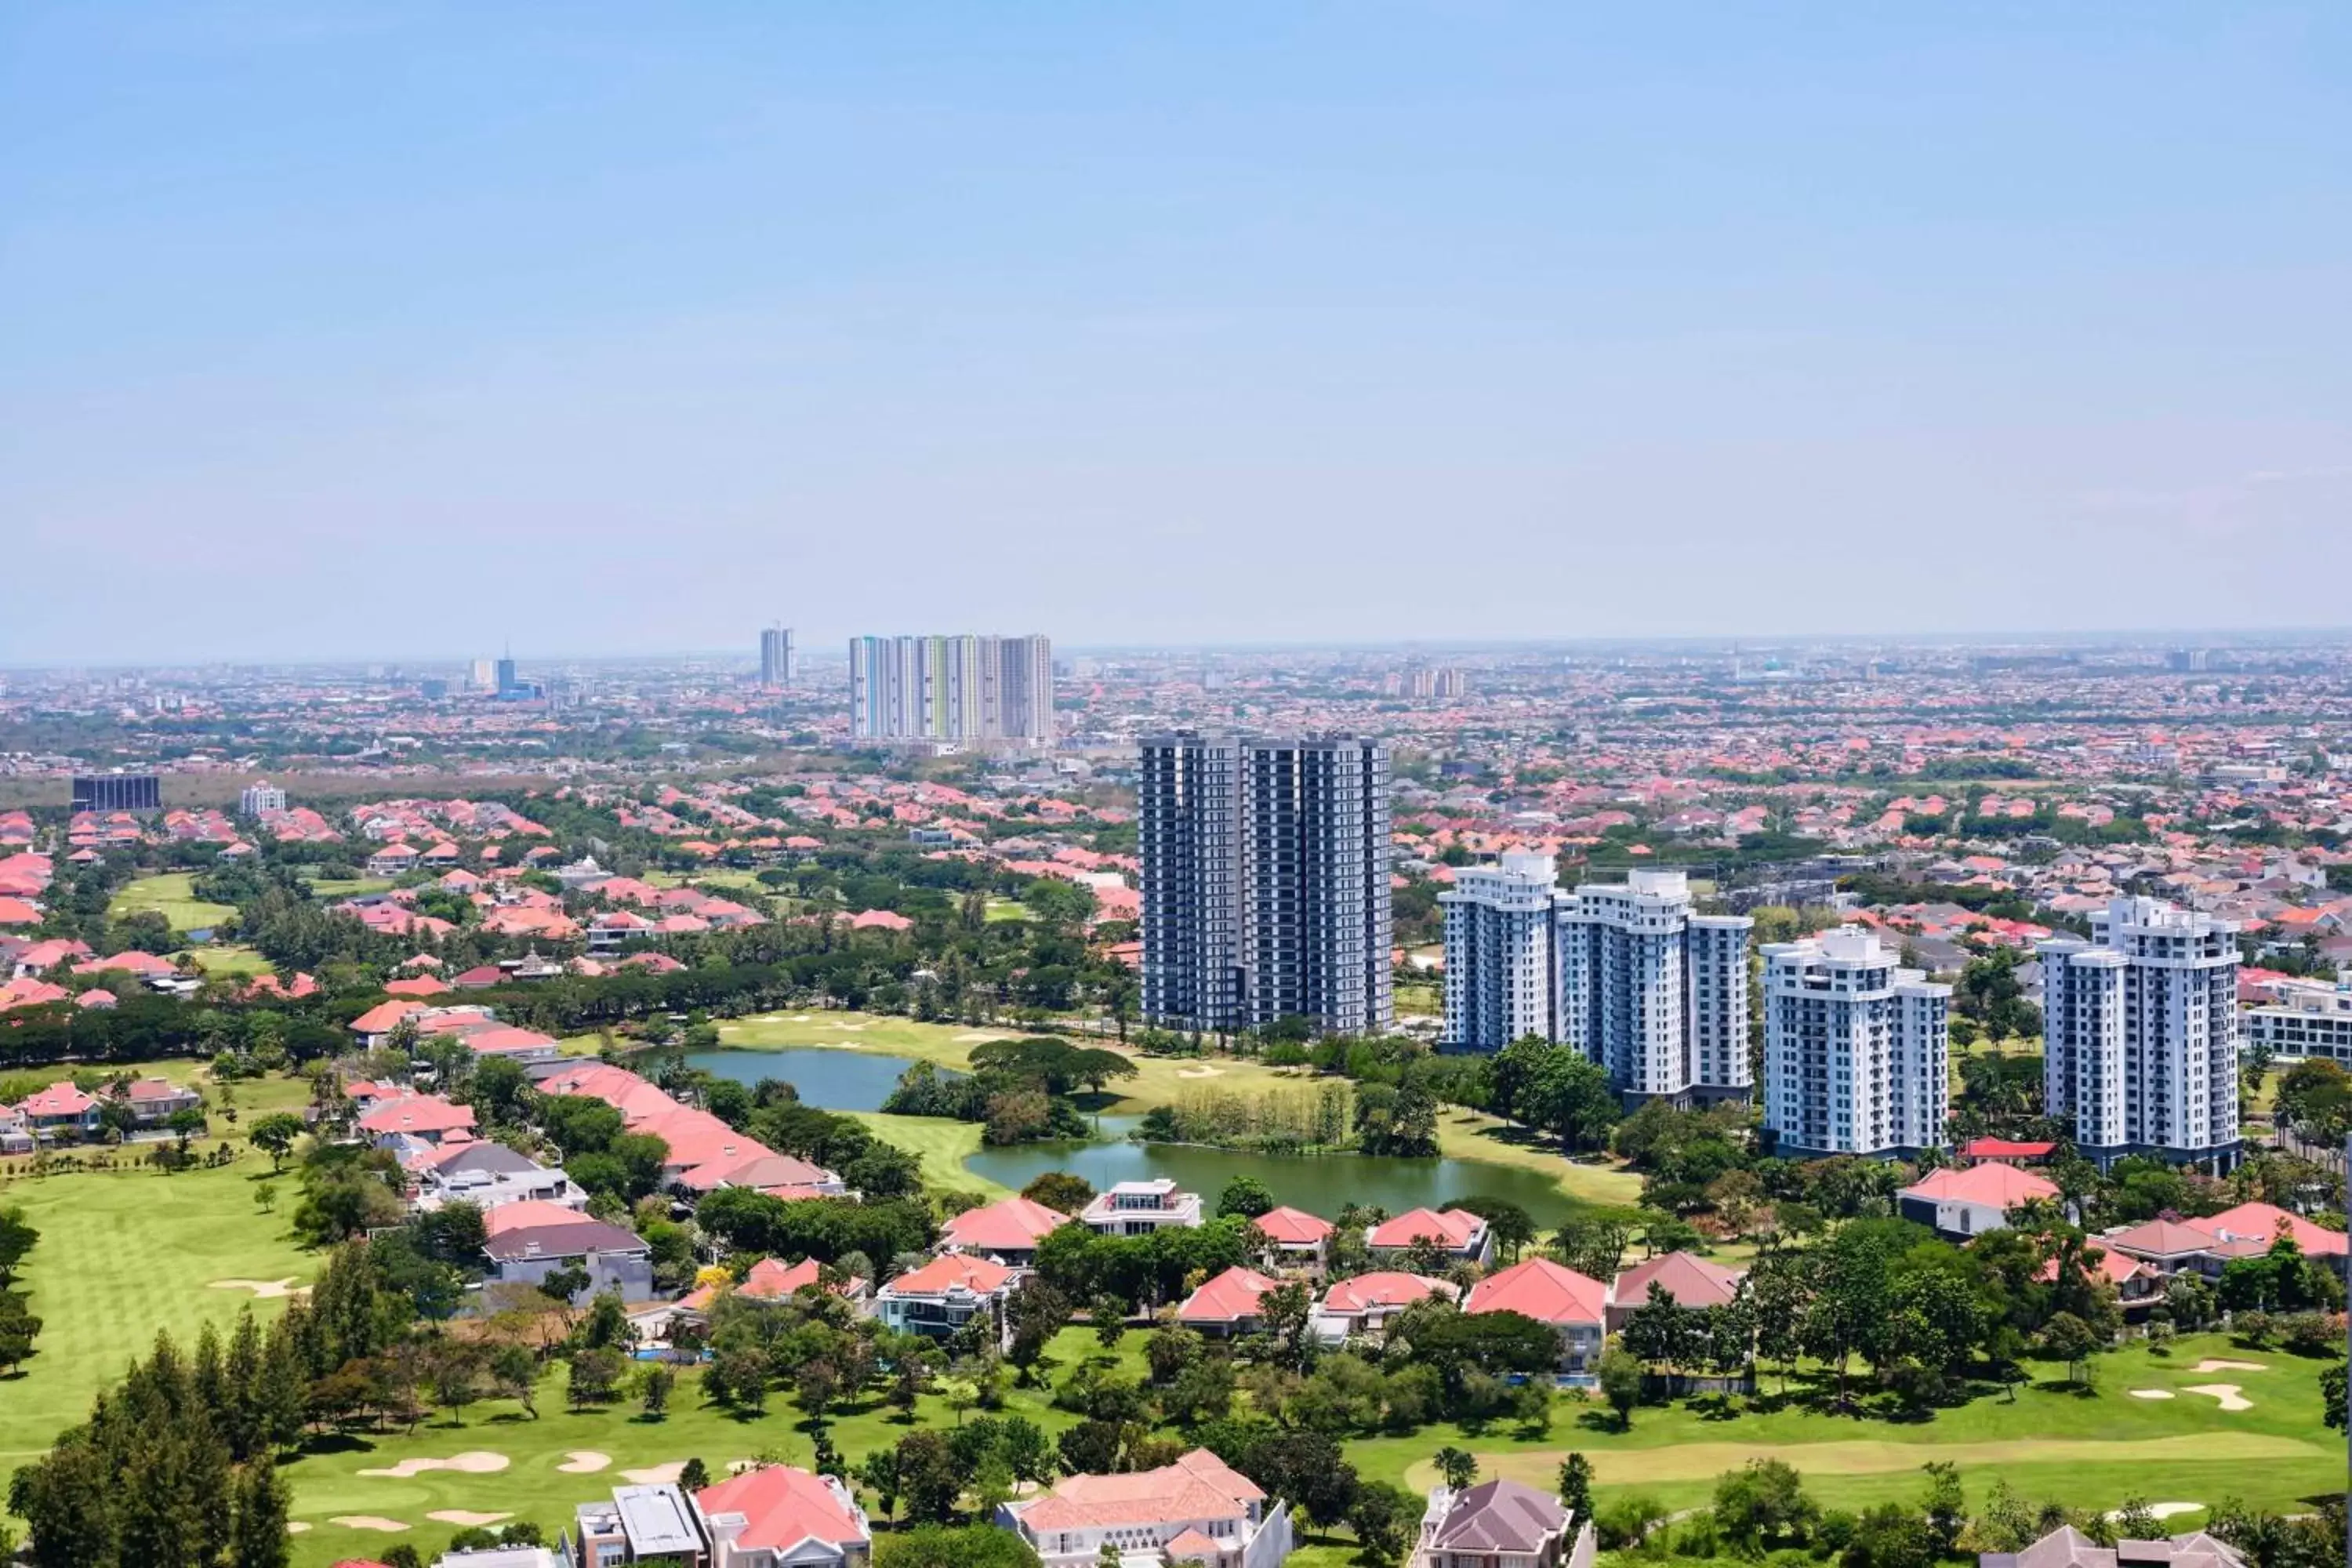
point(1139, 1208)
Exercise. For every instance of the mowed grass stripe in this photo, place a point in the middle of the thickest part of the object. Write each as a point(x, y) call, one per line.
point(1700, 1461)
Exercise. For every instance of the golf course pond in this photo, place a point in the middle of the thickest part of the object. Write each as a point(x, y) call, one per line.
point(1321, 1183)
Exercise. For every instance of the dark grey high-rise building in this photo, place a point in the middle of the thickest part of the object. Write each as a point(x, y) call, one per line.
point(1265, 882)
point(117, 792)
point(776, 657)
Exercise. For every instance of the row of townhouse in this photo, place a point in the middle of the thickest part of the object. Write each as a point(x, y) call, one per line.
point(66, 1113)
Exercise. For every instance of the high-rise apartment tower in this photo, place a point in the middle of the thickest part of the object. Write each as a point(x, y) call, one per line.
point(1854, 1049)
point(1265, 882)
point(2140, 1034)
point(963, 688)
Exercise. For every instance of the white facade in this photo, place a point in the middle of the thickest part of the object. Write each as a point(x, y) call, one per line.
point(1855, 1048)
point(1264, 889)
point(1502, 964)
point(776, 657)
point(2141, 1031)
point(258, 798)
point(960, 688)
point(1655, 993)
point(2310, 1018)
point(1139, 1208)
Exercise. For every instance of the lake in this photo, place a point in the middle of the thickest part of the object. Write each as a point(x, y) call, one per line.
point(1321, 1183)
point(835, 1080)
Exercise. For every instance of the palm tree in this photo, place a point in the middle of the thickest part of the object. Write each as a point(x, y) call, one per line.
point(1457, 1467)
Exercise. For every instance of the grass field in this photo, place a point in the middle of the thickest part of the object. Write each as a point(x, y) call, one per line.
point(231, 961)
point(2090, 1448)
point(172, 895)
point(124, 1255)
point(942, 1146)
point(347, 887)
point(1007, 910)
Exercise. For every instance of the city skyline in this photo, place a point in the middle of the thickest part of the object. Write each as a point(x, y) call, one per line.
point(1638, 324)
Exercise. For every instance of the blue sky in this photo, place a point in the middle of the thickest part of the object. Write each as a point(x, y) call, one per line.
point(396, 329)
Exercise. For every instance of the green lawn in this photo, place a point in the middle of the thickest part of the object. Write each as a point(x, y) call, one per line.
point(172, 895)
point(1007, 910)
point(123, 1255)
point(942, 1146)
point(330, 888)
point(231, 961)
point(2089, 1448)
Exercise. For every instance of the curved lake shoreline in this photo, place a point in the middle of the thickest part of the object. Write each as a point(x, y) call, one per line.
point(855, 1076)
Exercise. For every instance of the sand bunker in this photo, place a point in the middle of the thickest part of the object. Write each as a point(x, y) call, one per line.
point(300, 1527)
point(852, 1028)
point(2151, 1393)
point(476, 1463)
point(2227, 1392)
point(656, 1475)
point(583, 1461)
point(462, 1516)
point(2214, 1364)
point(367, 1520)
point(1200, 1072)
point(270, 1289)
point(800, 1018)
point(980, 1037)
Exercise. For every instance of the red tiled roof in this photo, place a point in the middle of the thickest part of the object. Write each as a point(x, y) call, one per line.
point(1692, 1281)
point(947, 1273)
point(1294, 1227)
point(1994, 1186)
point(1016, 1224)
point(1450, 1229)
point(782, 1506)
point(2261, 1222)
point(1229, 1297)
point(1541, 1289)
point(1378, 1289)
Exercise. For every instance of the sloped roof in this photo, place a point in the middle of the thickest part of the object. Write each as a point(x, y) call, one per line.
point(1499, 1515)
point(1691, 1281)
point(1450, 1229)
point(1994, 1186)
point(1228, 1297)
point(783, 1505)
point(1539, 1289)
point(1016, 1224)
point(1292, 1227)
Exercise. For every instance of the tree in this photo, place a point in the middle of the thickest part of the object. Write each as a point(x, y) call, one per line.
point(18, 1238)
point(275, 1135)
point(1245, 1197)
point(2331, 1392)
point(18, 1330)
point(1890, 1536)
point(257, 1537)
point(655, 1387)
point(1576, 1486)
point(1457, 1467)
point(1763, 1506)
point(941, 1546)
point(514, 1373)
point(596, 1377)
point(1305, 1467)
point(1620, 1383)
point(694, 1477)
point(1381, 1518)
point(1060, 1191)
point(879, 1475)
point(1034, 1313)
point(1947, 1507)
point(2072, 1340)
point(929, 1479)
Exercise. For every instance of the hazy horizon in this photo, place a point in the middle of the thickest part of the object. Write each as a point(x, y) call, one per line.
point(334, 329)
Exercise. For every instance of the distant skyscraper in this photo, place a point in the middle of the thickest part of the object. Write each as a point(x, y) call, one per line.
point(505, 677)
point(776, 657)
point(485, 674)
point(117, 792)
point(963, 687)
point(1653, 992)
point(1502, 952)
point(2140, 1032)
point(256, 798)
point(1854, 1049)
point(1265, 882)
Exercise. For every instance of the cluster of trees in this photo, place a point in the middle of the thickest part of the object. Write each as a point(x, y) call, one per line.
point(1020, 1088)
point(18, 1327)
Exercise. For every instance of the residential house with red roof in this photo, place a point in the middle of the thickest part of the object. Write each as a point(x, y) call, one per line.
point(1572, 1305)
point(1691, 1282)
point(780, 1515)
point(1295, 1239)
point(415, 1118)
point(1008, 1231)
point(1198, 1509)
point(1973, 1199)
point(1228, 1304)
point(945, 1293)
point(60, 1112)
point(1458, 1233)
point(1365, 1304)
